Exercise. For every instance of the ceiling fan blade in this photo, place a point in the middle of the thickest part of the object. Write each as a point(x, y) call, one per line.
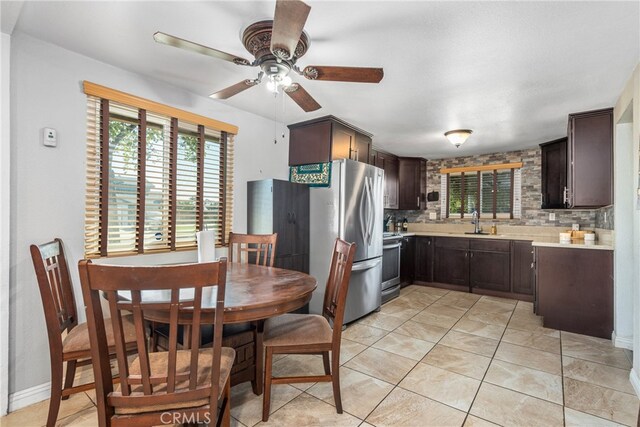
point(198, 48)
point(288, 23)
point(234, 89)
point(344, 74)
point(302, 97)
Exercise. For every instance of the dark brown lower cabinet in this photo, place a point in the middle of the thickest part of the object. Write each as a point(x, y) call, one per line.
point(497, 267)
point(489, 265)
point(574, 290)
point(424, 259)
point(522, 274)
point(451, 261)
point(407, 260)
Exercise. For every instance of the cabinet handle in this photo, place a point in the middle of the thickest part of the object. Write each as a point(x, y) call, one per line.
point(471, 255)
point(418, 204)
point(466, 254)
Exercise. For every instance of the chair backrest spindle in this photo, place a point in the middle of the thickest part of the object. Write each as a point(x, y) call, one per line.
point(259, 249)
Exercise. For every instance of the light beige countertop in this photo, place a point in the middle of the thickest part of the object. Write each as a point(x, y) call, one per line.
point(539, 236)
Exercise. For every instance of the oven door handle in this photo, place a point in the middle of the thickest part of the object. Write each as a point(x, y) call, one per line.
point(393, 246)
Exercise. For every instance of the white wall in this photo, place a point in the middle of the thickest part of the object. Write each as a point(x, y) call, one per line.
point(624, 196)
point(47, 184)
point(627, 280)
point(5, 63)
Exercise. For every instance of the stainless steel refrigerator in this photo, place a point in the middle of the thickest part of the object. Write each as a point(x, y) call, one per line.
point(350, 208)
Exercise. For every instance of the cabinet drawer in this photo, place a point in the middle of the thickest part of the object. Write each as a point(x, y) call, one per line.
point(489, 245)
point(452, 242)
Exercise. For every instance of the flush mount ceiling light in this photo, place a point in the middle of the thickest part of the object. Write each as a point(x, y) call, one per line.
point(458, 136)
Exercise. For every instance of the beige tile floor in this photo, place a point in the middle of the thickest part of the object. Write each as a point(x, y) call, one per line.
point(437, 358)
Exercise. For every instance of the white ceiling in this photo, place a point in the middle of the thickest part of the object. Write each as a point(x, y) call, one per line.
point(511, 71)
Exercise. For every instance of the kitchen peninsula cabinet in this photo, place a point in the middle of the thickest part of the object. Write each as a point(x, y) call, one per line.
point(388, 163)
point(412, 187)
point(574, 290)
point(325, 139)
point(276, 206)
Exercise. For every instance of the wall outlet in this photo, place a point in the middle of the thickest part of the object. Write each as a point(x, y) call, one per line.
point(433, 215)
point(575, 227)
point(49, 137)
point(552, 216)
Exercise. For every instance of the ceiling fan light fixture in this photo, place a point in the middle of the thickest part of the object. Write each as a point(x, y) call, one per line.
point(272, 85)
point(458, 136)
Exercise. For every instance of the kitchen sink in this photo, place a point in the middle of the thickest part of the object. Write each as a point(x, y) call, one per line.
point(480, 233)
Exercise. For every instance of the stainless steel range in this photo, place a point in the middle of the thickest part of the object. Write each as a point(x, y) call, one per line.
point(391, 266)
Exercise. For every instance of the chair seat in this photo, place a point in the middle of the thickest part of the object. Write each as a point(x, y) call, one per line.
point(77, 340)
point(159, 361)
point(297, 329)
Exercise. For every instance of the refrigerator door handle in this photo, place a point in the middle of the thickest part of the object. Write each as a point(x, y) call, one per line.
point(372, 211)
point(366, 265)
point(362, 211)
point(366, 198)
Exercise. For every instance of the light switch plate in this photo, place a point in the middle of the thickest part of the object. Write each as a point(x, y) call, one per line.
point(552, 216)
point(575, 227)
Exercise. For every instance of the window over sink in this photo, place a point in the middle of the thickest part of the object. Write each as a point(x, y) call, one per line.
point(493, 190)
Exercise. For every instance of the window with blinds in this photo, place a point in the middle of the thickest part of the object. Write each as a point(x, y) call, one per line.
point(494, 193)
point(153, 179)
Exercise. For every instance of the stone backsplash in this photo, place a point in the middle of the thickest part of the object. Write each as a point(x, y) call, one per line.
point(604, 218)
point(531, 195)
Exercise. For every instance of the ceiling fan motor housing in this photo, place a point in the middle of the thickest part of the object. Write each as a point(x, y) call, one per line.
point(257, 40)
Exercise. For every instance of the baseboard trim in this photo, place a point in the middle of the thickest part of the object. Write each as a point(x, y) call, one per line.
point(622, 342)
point(635, 381)
point(24, 398)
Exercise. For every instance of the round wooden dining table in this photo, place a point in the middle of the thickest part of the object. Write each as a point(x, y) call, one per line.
point(253, 293)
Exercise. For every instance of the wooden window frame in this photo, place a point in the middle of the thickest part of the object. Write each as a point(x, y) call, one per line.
point(478, 170)
point(105, 97)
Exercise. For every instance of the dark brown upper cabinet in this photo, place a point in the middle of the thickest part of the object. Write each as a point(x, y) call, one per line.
point(325, 139)
point(388, 163)
point(411, 191)
point(554, 173)
point(590, 159)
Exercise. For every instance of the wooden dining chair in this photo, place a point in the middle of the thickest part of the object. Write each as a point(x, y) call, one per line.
point(259, 249)
point(312, 333)
point(68, 339)
point(168, 387)
point(245, 338)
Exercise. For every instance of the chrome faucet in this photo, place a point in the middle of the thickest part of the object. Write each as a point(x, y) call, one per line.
point(475, 220)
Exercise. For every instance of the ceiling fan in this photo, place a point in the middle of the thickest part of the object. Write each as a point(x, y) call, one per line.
point(276, 46)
